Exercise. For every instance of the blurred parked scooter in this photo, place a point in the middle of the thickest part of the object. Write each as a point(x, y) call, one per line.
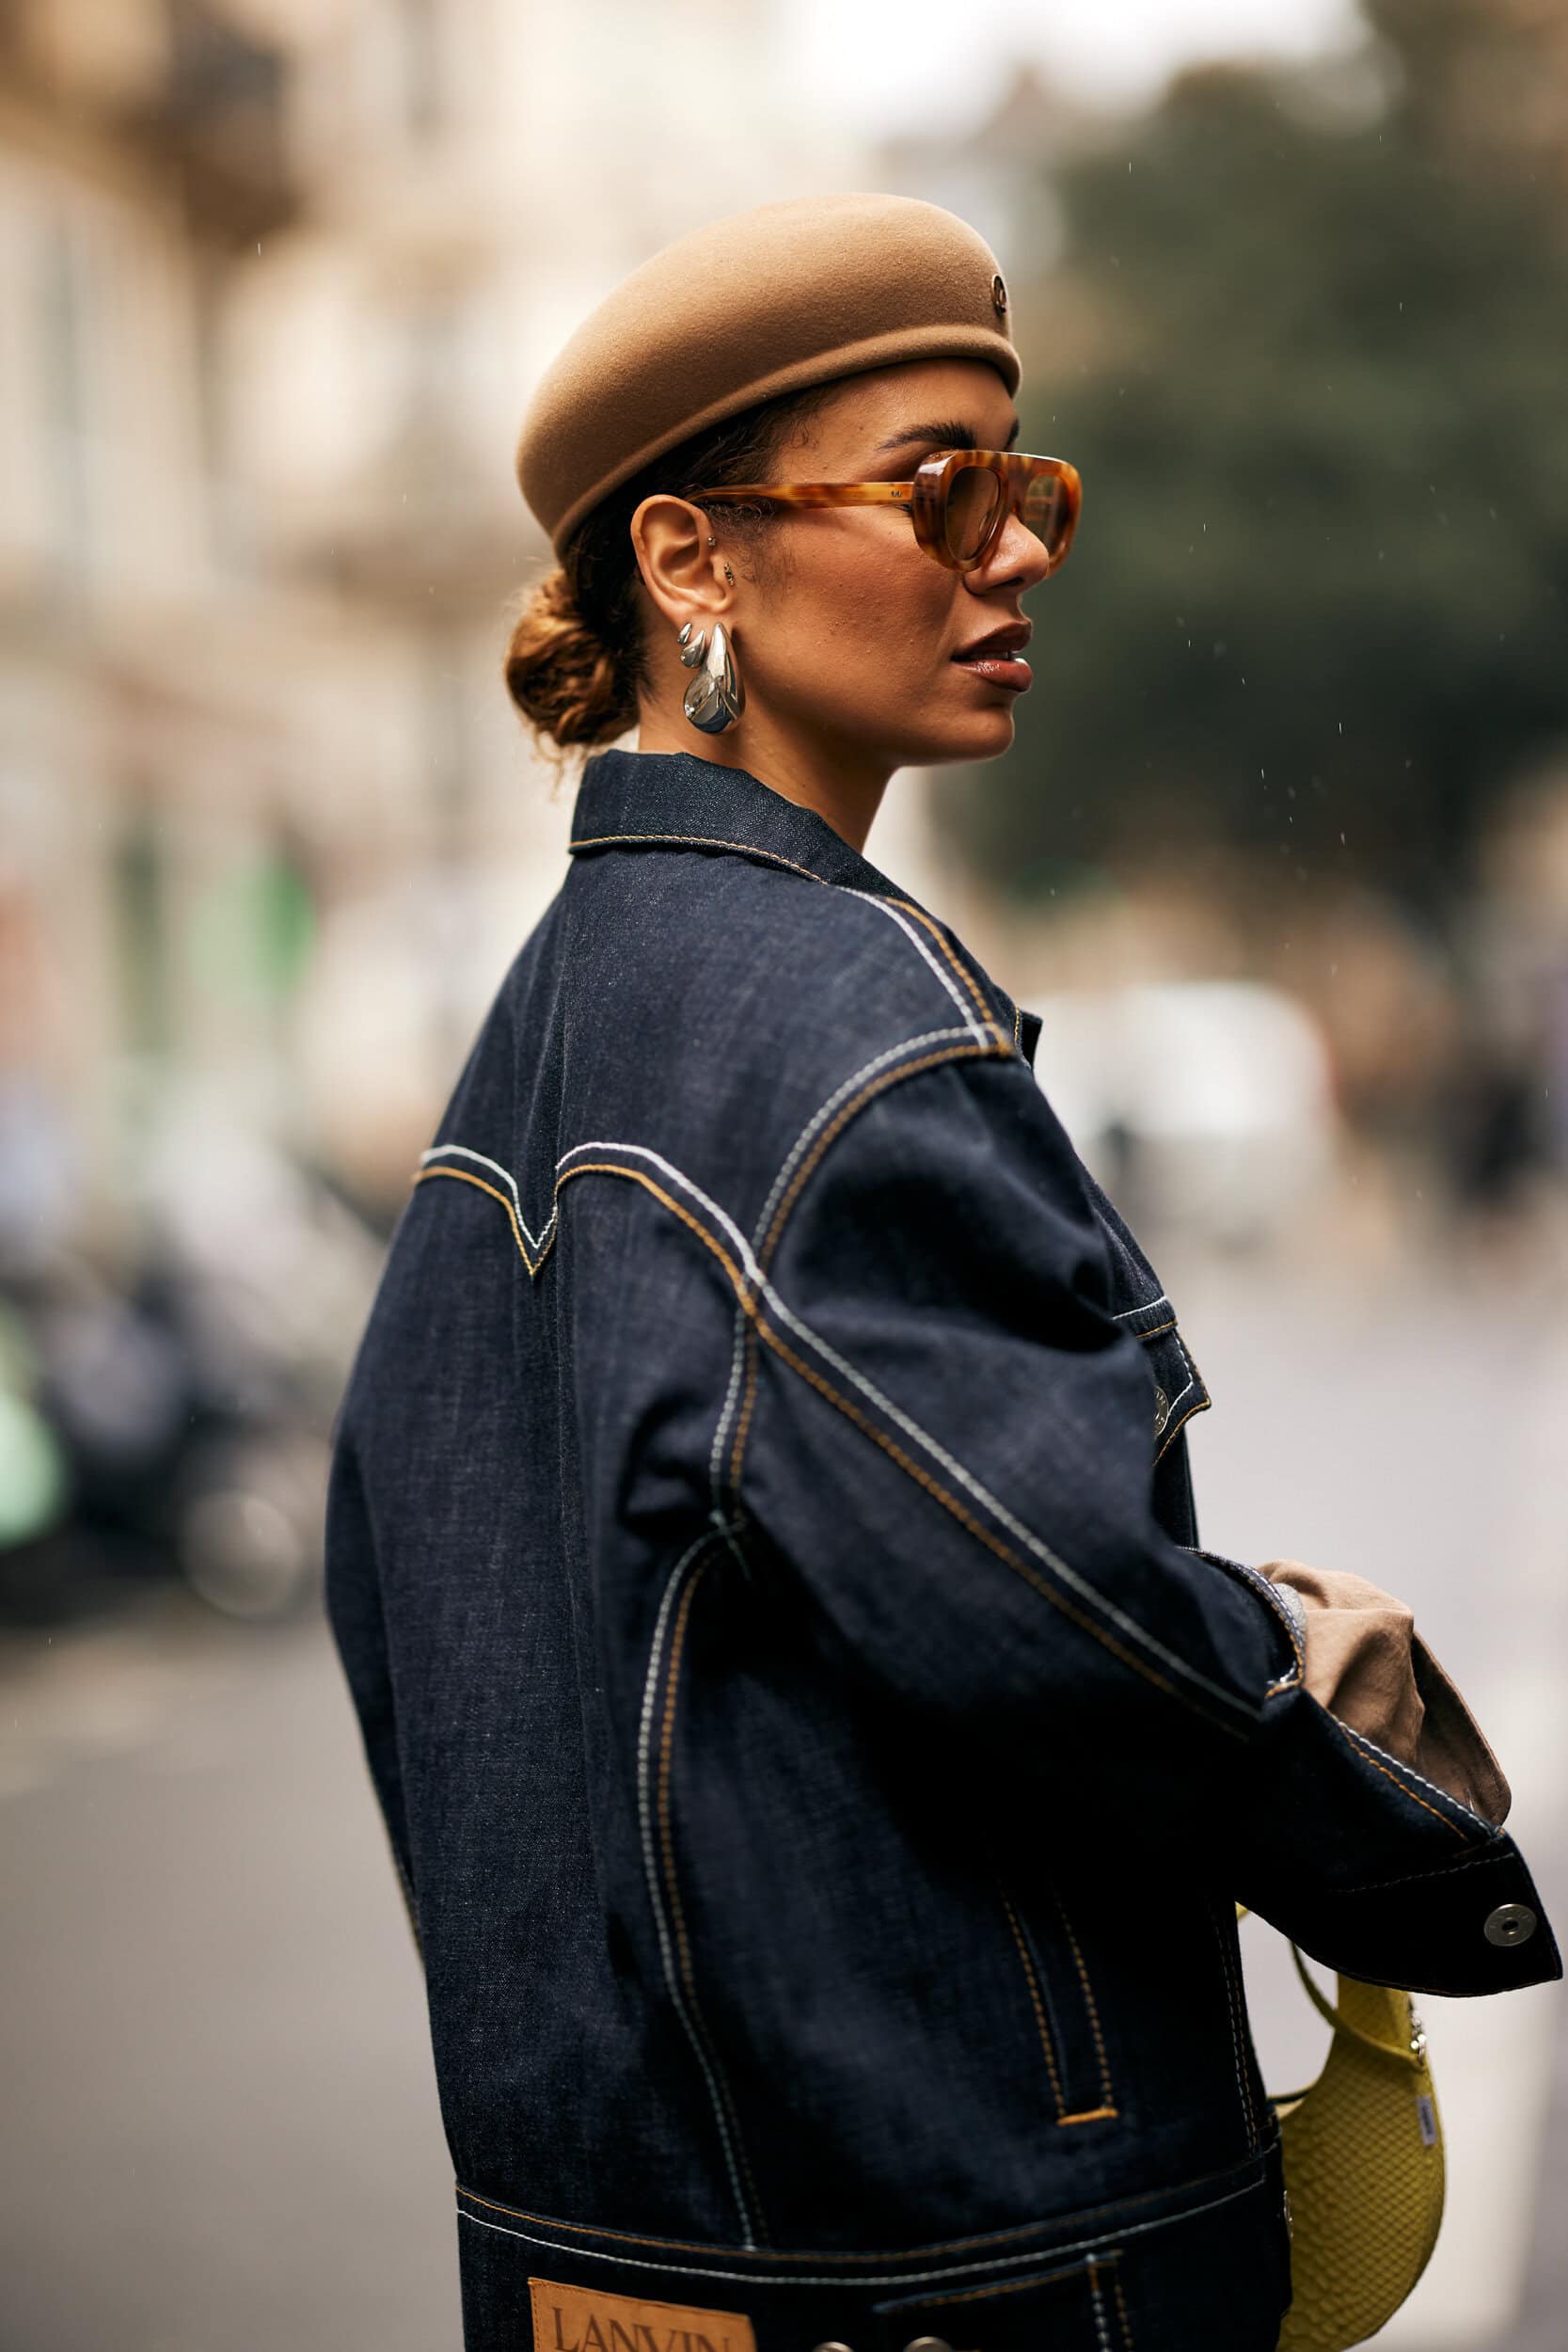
point(178, 1422)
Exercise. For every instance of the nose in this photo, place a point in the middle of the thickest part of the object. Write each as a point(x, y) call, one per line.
point(1019, 559)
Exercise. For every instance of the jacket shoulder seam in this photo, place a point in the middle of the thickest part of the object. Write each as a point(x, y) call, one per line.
point(950, 970)
point(754, 1292)
point(847, 1100)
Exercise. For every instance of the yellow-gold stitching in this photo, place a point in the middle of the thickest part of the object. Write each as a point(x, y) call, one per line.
point(1360, 1749)
point(1105, 2091)
point(667, 1733)
point(738, 1450)
point(877, 1086)
point(961, 969)
point(1236, 2013)
point(769, 1241)
point(965, 1517)
point(776, 857)
point(836, 2256)
point(461, 1176)
point(1036, 2002)
point(1121, 2309)
point(1202, 1405)
point(1014, 2286)
point(747, 1299)
point(1107, 2110)
point(702, 841)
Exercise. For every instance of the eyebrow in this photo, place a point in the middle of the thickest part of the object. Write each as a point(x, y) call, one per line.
point(949, 436)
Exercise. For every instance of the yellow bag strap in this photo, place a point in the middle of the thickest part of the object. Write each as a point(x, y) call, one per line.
point(1407, 2054)
point(1341, 2023)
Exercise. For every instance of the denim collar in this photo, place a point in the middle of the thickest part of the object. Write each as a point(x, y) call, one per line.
point(669, 797)
point(657, 800)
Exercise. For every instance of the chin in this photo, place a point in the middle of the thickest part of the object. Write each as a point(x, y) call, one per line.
point(978, 735)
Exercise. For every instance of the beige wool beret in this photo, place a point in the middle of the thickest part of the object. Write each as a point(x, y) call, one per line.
point(765, 302)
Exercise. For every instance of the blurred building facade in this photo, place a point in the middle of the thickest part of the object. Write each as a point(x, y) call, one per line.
point(276, 279)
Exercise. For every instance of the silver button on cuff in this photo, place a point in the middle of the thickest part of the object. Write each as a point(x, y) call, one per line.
point(929, 2343)
point(1510, 1924)
point(830, 2347)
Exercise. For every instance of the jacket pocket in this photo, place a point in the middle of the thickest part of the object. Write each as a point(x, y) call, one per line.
point(1178, 1386)
point(1071, 2307)
point(1055, 1980)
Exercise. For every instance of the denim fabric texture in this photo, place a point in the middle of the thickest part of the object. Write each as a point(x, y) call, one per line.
point(820, 1762)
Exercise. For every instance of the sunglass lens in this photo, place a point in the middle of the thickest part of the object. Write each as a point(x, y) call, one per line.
point(1044, 509)
point(974, 499)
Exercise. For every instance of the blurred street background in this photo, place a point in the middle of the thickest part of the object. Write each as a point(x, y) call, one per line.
point(1281, 858)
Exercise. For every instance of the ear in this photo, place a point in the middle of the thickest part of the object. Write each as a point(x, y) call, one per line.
point(684, 576)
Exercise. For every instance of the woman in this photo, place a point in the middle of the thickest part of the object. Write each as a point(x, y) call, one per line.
point(820, 1764)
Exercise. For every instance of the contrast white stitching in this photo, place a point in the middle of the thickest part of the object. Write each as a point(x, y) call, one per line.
point(927, 2249)
point(1250, 2118)
point(1274, 1595)
point(1103, 2334)
point(461, 1151)
point(1439, 1870)
point(972, 1019)
point(1141, 1310)
point(1068, 1575)
point(1409, 1770)
point(703, 841)
point(737, 1355)
point(1192, 1382)
point(650, 1863)
point(895, 2279)
point(955, 1468)
point(774, 857)
point(930, 1036)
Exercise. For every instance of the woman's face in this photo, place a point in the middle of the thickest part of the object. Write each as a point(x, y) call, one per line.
point(846, 633)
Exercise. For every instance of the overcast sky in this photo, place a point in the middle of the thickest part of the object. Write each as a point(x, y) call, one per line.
point(888, 65)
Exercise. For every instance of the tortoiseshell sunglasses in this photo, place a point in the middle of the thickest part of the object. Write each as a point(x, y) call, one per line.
point(959, 500)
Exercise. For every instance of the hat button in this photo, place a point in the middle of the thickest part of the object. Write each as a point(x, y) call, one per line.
point(1511, 1923)
point(998, 294)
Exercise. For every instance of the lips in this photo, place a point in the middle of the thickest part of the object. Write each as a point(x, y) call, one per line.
point(1001, 646)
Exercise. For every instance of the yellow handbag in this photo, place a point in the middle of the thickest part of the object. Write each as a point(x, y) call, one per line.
point(1364, 2173)
point(1363, 2145)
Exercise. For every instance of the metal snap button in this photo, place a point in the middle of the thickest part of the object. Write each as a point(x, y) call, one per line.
point(929, 2343)
point(1511, 1923)
point(1161, 1409)
point(830, 2347)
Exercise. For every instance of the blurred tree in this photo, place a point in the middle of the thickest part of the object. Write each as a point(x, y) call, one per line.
point(1308, 347)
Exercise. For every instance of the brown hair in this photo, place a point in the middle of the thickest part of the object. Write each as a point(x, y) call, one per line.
point(576, 657)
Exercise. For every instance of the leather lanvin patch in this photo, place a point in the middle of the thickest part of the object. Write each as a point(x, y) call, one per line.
point(584, 2319)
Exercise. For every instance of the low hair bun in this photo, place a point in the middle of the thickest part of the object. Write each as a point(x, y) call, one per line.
point(577, 660)
point(562, 675)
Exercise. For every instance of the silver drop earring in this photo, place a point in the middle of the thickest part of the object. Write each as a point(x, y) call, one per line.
point(716, 696)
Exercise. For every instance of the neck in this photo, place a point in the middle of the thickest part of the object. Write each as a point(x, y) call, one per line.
point(847, 791)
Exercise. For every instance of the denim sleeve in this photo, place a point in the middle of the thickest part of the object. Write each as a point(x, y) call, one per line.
point(953, 1447)
point(358, 1629)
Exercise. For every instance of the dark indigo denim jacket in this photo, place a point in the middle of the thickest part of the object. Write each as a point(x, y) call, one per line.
point(820, 1764)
